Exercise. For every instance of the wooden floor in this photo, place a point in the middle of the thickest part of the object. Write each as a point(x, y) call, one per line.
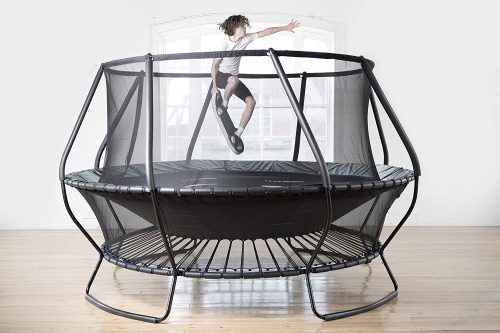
point(449, 280)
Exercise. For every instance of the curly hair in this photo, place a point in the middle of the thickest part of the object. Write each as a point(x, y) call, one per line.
point(232, 22)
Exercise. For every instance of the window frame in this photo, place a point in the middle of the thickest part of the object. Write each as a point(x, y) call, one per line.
point(197, 26)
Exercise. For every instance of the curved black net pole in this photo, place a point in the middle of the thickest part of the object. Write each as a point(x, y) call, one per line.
point(62, 167)
point(150, 178)
point(366, 65)
point(151, 183)
point(325, 177)
point(405, 217)
point(404, 138)
point(67, 150)
point(303, 83)
point(323, 170)
point(379, 127)
point(392, 115)
point(391, 295)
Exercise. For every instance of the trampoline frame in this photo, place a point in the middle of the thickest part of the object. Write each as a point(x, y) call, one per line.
point(302, 125)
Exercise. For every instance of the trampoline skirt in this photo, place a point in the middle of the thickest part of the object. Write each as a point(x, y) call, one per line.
point(239, 217)
point(238, 201)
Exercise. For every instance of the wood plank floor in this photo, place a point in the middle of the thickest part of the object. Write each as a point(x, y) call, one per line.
point(449, 280)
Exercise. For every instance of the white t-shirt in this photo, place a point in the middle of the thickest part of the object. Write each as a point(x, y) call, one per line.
point(231, 65)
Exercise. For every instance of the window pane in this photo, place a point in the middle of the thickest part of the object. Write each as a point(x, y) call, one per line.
point(270, 134)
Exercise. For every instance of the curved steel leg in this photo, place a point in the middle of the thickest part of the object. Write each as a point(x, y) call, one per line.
point(358, 310)
point(123, 313)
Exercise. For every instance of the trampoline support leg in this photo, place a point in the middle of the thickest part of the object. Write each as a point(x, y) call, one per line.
point(123, 313)
point(351, 312)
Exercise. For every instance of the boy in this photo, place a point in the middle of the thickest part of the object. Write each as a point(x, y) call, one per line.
point(225, 75)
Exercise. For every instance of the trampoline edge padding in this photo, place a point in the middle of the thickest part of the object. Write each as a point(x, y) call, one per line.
point(91, 180)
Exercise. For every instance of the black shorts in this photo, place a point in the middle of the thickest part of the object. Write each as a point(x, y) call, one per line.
point(241, 91)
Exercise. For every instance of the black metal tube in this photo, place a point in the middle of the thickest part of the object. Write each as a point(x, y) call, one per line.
point(94, 273)
point(201, 118)
point(379, 128)
point(392, 115)
point(127, 314)
point(75, 220)
point(210, 55)
point(83, 112)
point(149, 162)
point(405, 217)
point(67, 150)
point(325, 177)
point(241, 75)
point(351, 312)
point(296, 148)
point(257, 76)
point(321, 55)
point(244, 53)
point(100, 151)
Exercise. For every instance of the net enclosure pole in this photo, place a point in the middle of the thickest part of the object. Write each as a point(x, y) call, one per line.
point(379, 127)
point(151, 182)
point(315, 149)
point(62, 166)
point(392, 115)
point(67, 150)
point(404, 138)
point(296, 148)
point(405, 217)
point(76, 129)
point(325, 178)
point(149, 160)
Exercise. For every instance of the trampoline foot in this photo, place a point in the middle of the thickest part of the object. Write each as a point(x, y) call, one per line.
point(358, 310)
point(127, 314)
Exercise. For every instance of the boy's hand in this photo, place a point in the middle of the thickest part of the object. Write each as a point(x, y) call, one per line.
point(214, 90)
point(269, 31)
point(292, 25)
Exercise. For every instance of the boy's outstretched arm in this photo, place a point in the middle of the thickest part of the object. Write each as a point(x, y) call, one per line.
point(269, 31)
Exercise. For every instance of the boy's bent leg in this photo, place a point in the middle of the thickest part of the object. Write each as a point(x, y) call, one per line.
point(245, 95)
point(247, 114)
point(232, 84)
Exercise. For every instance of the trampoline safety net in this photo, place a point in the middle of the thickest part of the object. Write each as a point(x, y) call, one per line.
point(273, 188)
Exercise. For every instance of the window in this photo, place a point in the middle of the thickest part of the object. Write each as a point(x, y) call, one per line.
point(270, 133)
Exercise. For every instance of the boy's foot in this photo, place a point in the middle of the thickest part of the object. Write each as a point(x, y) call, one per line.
point(237, 145)
point(226, 125)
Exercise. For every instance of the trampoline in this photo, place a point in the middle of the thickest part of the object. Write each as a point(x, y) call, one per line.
point(171, 199)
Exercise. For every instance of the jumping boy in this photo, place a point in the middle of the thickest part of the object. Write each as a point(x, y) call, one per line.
point(225, 76)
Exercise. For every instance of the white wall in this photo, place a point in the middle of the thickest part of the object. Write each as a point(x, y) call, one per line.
point(438, 63)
